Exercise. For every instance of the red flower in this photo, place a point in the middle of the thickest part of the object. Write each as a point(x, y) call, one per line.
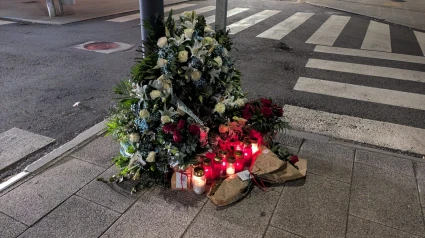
point(181, 124)
point(210, 155)
point(169, 128)
point(294, 159)
point(279, 112)
point(194, 129)
point(177, 137)
point(267, 112)
point(266, 102)
point(246, 113)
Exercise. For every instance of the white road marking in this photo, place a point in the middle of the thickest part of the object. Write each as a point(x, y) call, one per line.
point(198, 11)
point(234, 11)
point(377, 37)
point(284, 28)
point(5, 22)
point(420, 36)
point(370, 70)
point(362, 130)
point(329, 31)
point(251, 20)
point(362, 93)
point(371, 54)
point(137, 16)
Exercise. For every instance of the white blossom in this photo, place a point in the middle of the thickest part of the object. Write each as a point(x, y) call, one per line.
point(162, 42)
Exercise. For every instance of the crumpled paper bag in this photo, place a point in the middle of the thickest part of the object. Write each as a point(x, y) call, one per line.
point(230, 190)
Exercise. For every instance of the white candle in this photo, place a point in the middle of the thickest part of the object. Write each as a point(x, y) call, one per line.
point(198, 184)
point(254, 147)
point(230, 170)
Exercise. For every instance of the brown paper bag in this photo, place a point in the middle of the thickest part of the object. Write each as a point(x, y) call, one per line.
point(266, 162)
point(287, 172)
point(230, 190)
point(181, 181)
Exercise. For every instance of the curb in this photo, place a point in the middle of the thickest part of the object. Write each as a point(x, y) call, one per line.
point(361, 14)
point(56, 153)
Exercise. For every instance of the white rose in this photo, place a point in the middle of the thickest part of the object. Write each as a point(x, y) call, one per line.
point(208, 29)
point(165, 119)
point(161, 62)
point(208, 41)
point(187, 15)
point(220, 108)
point(151, 157)
point(225, 69)
point(166, 86)
point(183, 56)
point(180, 112)
point(144, 114)
point(240, 102)
point(188, 33)
point(196, 75)
point(134, 137)
point(219, 61)
point(162, 42)
point(155, 93)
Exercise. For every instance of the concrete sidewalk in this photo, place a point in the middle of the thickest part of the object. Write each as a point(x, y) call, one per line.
point(36, 10)
point(350, 191)
point(408, 13)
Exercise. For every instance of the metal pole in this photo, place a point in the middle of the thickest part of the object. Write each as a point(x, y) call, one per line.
point(221, 15)
point(51, 8)
point(149, 9)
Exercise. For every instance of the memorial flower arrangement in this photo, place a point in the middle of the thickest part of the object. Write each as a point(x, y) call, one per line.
point(184, 105)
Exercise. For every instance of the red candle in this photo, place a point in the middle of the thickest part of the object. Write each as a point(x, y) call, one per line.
point(240, 162)
point(247, 152)
point(217, 168)
point(208, 171)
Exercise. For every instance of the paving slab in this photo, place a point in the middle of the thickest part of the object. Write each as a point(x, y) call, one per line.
point(292, 143)
point(10, 228)
point(386, 162)
point(273, 232)
point(158, 213)
point(248, 218)
point(420, 178)
point(15, 144)
point(387, 198)
point(111, 195)
point(76, 217)
point(39, 195)
point(329, 160)
point(314, 207)
point(360, 228)
point(99, 152)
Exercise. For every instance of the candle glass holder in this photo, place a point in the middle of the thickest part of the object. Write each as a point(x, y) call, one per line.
point(247, 153)
point(254, 146)
point(231, 166)
point(198, 180)
point(208, 170)
point(240, 162)
point(218, 170)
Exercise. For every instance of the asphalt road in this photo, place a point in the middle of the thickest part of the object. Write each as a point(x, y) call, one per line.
point(41, 76)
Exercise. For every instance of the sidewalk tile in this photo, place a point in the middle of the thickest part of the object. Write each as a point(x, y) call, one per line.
point(39, 195)
point(291, 143)
point(114, 196)
point(158, 213)
point(387, 198)
point(10, 228)
point(273, 232)
point(315, 207)
point(387, 162)
point(329, 160)
point(99, 152)
point(247, 218)
point(420, 178)
point(76, 217)
point(360, 228)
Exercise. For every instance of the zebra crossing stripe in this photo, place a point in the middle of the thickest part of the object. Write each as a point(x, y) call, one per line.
point(362, 130)
point(370, 54)
point(420, 36)
point(282, 29)
point(234, 11)
point(329, 31)
point(377, 37)
point(5, 22)
point(362, 93)
point(250, 21)
point(198, 11)
point(137, 16)
point(369, 70)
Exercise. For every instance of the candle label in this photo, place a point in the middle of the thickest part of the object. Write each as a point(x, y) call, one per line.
point(244, 175)
point(181, 180)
